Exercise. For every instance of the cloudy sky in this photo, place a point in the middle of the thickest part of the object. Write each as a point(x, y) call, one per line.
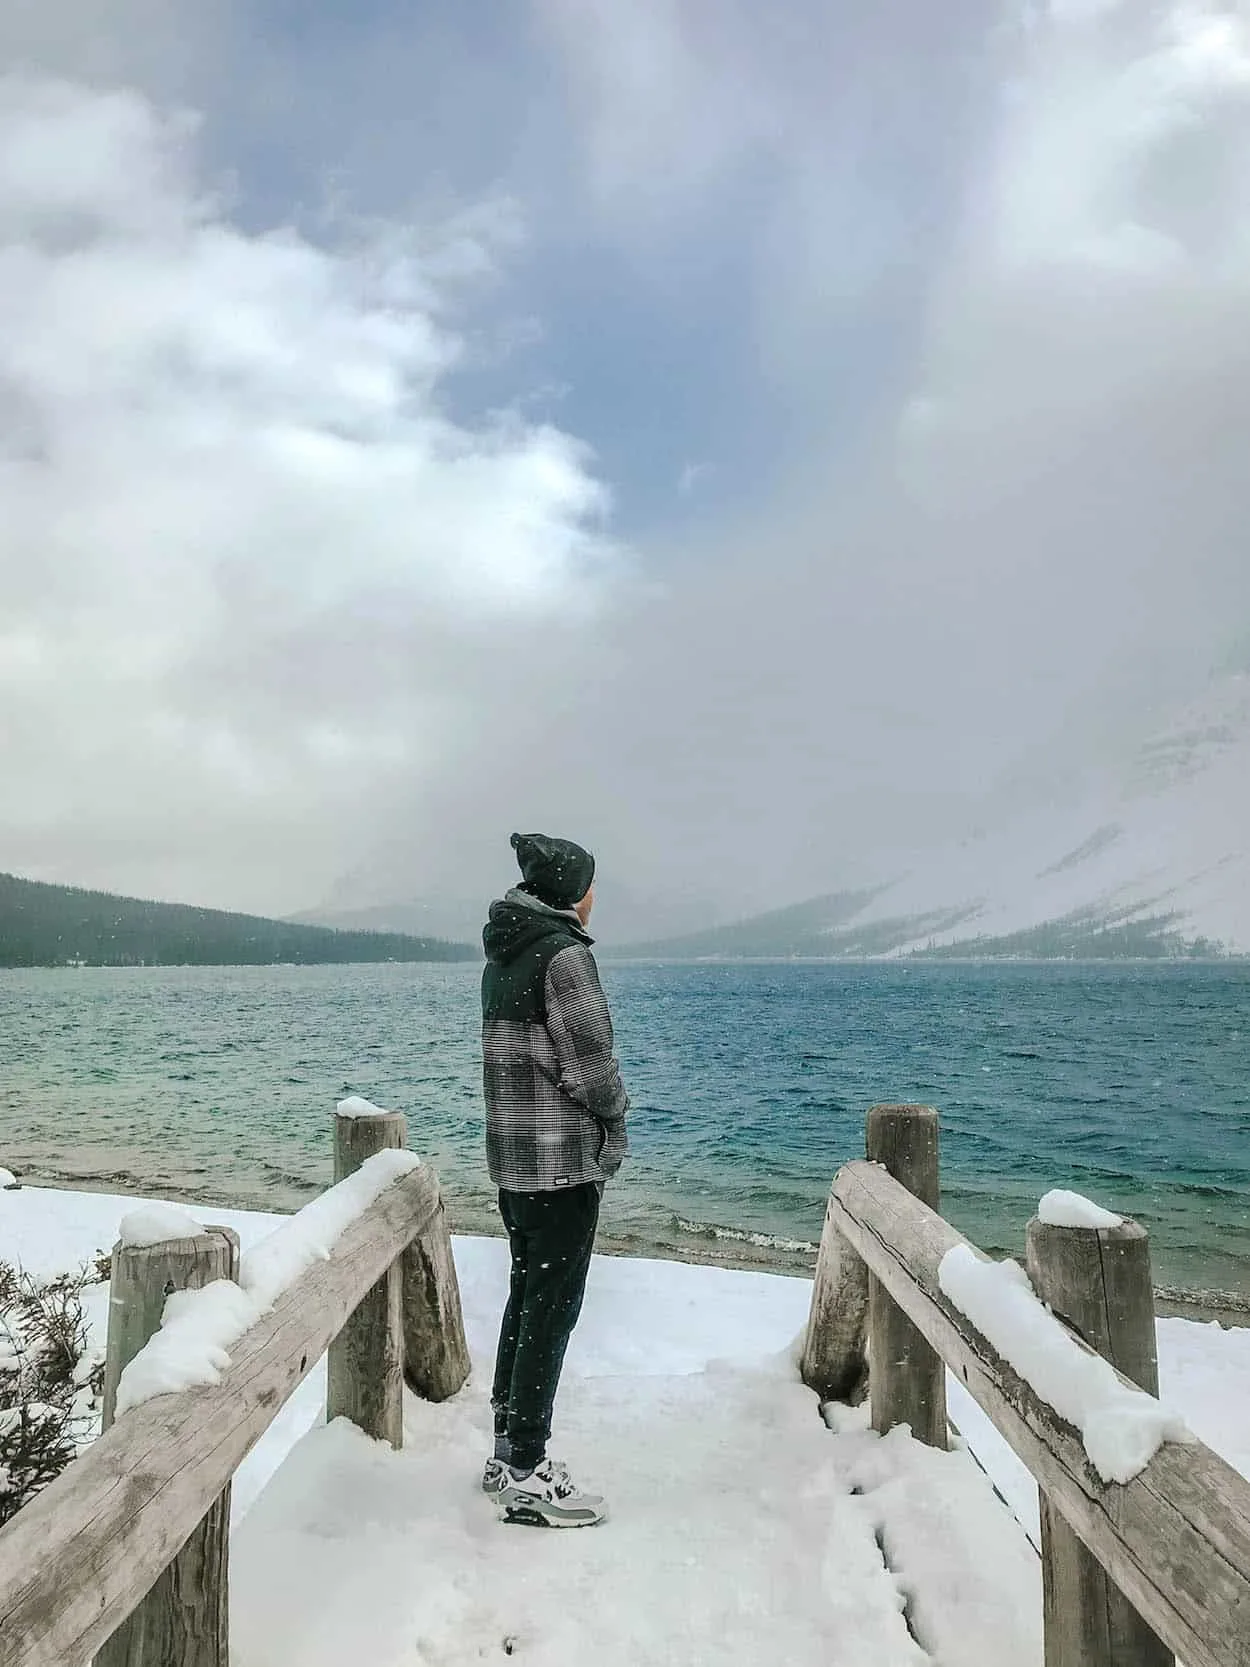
point(757, 441)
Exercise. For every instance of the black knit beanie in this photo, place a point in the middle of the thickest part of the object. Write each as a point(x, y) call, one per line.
point(555, 871)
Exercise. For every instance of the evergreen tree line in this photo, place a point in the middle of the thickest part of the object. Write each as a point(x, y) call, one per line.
point(55, 926)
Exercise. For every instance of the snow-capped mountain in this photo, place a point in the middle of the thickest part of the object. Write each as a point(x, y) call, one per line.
point(1163, 848)
point(1152, 859)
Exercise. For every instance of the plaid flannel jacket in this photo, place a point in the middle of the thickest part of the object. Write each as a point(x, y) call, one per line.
point(555, 1102)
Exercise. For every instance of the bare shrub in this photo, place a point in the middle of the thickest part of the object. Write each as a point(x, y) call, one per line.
point(51, 1384)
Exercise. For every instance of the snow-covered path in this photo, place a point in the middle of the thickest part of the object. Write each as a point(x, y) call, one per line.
point(713, 1553)
point(742, 1529)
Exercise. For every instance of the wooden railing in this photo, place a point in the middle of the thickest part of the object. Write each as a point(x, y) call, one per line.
point(1131, 1573)
point(124, 1556)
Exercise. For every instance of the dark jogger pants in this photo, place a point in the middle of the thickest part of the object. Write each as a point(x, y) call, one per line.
point(551, 1235)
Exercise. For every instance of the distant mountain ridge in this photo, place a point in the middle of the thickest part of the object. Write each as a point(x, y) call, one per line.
point(804, 932)
point(45, 925)
point(820, 927)
point(621, 913)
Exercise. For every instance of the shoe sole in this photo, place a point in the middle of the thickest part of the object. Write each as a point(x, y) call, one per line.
point(530, 1516)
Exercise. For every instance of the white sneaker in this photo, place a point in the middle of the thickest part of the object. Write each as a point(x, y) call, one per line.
point(548, 1498)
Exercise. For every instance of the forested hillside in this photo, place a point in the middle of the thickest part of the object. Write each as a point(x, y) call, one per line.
point(47, 926)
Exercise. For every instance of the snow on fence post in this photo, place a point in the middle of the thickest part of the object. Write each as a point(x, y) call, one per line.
point(436, 1355)
point(365, 1367)
point(907, 1379)
point(834, 1362)
point(1098, 1281)
point(184, 1617)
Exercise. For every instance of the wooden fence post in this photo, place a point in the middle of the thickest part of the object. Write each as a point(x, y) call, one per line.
point(185, 1616)
point(907, 1379)
point(834, 1362)
point(1098, 1280)
point(436, 1355)
point(365, 1370)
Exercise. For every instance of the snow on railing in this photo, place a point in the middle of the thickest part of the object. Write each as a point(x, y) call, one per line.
point(199, 1327)
point(1145, 1531)
point(124, 1556)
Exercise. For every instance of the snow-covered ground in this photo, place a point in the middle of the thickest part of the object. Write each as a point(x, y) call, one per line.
point(742, 1528)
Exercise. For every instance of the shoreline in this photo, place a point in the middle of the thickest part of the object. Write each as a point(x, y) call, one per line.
point(1225, 1308)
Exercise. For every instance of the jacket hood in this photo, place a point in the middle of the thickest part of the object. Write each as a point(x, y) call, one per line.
point(519, 920)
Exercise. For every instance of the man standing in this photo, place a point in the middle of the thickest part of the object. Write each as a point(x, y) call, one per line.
point(555, 1132)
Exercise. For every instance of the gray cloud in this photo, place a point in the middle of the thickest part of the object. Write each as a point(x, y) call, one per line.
point(253, 574)
point(161, 46)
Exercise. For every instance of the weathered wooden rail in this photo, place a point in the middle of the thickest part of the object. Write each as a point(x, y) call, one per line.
point(1131, 1573)
point(124, 1556)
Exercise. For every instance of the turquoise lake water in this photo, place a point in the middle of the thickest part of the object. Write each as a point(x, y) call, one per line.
point(749, 1082)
